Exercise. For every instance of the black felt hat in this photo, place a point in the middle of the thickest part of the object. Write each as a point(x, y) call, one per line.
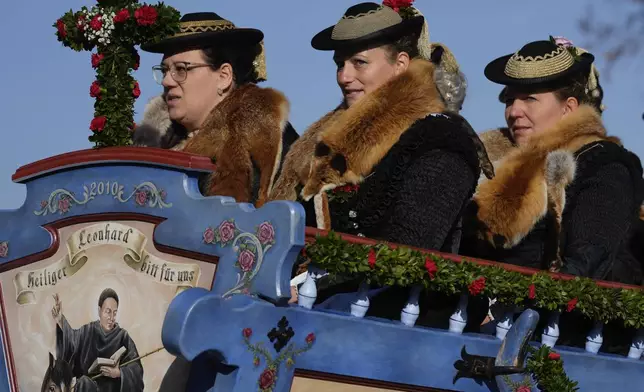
point(538, 62)
point(203, 29)
point(365, 23)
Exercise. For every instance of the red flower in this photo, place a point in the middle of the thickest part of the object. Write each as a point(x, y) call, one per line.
point(397, 4)
point(98, 123)
point(523, 388)
point(310, 338)
point(477, 286)
point(554, 356)
point(247, 332)
point(146, 15)
point(571, 304)
point(532, 292)
point(137, 60)
point(267, 379)
point(431, 268)
point(121, 16)
point(372, 258)
point(96, 23)
point(136, 91)
point(96, 59)
point(80, 22)
point(95, 90)
point(62, 30)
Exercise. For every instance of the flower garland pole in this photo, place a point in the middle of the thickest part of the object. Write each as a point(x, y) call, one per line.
point(114, 28)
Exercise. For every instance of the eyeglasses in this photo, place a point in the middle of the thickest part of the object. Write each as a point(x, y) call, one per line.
point(178, 71)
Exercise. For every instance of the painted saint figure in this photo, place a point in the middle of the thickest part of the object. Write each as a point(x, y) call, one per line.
point(91, 348)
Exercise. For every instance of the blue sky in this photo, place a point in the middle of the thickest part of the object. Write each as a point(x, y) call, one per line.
point(46, 108)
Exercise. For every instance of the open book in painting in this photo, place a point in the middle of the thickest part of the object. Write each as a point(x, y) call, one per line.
point(114, 360)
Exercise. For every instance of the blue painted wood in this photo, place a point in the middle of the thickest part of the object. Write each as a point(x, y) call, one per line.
point(513, 350)
point(200, 321)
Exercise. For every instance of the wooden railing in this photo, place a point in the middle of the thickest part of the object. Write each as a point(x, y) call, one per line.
point(307, 295)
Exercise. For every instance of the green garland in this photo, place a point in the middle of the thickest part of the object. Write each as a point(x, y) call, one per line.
point(384, 266)
point(114, 28)
point(547, 368)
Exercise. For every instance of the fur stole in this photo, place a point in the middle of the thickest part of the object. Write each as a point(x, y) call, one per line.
point(351, 145)
point(344, 146)
point(498, 143)
point(243, 130)
point(531, 180)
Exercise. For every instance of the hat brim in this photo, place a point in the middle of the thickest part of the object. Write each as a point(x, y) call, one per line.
point(323, 40)
point(495, 72)
point(237, 36)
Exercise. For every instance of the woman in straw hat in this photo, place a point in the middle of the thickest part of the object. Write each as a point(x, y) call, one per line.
point(393, 161)
point(566, 194)
point(212, 106)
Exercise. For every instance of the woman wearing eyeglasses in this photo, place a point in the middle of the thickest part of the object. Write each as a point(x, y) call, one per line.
point(212, 106)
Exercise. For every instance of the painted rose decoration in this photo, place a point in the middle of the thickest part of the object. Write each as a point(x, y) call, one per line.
point(249, 248)
point(266, 233)
point(246, 260)
point(285, 353)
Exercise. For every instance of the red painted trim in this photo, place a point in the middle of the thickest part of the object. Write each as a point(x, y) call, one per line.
point(312, 232)
point(145, 155)
point(341, 379)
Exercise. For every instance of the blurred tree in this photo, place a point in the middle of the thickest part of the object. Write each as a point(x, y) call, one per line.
point(614, 30)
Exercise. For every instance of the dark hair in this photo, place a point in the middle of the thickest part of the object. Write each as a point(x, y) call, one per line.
point(407, 43)
point(107, 293)
point(577, 87)
point(241, 59)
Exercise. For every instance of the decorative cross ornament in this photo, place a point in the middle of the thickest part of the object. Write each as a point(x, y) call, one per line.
point(115, 28)
point(281, 335)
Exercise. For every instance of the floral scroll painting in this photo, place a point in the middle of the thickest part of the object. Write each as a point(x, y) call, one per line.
point(52, 307)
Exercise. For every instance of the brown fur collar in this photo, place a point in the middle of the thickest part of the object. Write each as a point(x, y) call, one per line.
point(356, 140)
point(297, 163)
point(498, 143)
point(531, 179)
point(245, 128)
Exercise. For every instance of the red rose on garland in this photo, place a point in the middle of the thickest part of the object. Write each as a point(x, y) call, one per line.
point(121, 16)
point(532, 291)
point(477, 286)
point(372, 258)
point(554, 356)
point(136, 91)
point(396, 5)
point(310, 338)
point(267, 379)
point(247, 332)
point(523, 388)
point(571, 304)
point(95, 90)
point(96, 59)
point(431, 268)
point(62, 30)
point(98, 123)
point(146, 15)
point(96, 23)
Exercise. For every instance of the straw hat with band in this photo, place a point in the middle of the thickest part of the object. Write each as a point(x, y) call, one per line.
point(537, 62)
point(365, 23)
point(204, 29)
point(544, 63)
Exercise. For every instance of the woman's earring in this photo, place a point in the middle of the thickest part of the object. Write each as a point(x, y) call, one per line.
point(220, 92)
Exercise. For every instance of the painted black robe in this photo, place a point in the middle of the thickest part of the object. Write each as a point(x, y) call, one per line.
point(82, 346)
